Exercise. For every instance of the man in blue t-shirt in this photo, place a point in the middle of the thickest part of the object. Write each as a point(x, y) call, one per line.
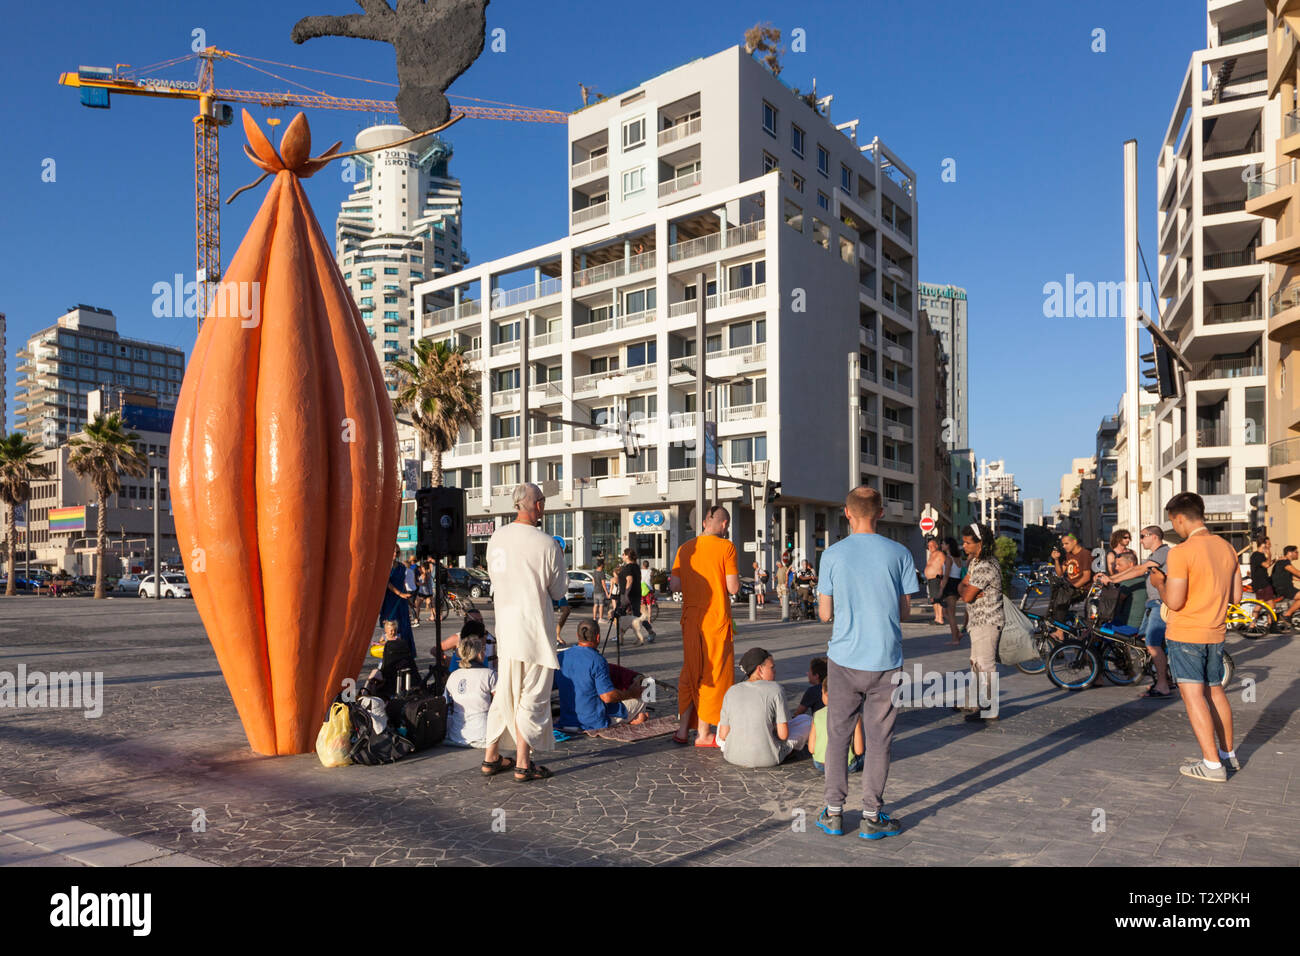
point(588, 698)
point(864, 586)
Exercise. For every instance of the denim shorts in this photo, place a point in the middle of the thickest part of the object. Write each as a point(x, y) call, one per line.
point(1196, 663)
point(1152, 627)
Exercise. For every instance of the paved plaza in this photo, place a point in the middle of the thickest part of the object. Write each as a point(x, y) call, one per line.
point(165, 776)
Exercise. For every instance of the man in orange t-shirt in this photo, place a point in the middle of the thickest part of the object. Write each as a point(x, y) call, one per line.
point(706, 573)
point(1202, 576)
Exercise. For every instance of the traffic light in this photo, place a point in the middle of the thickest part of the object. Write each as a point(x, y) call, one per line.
point(773, 491)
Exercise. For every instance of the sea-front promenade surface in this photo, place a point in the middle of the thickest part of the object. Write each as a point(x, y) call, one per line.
point(164, 776)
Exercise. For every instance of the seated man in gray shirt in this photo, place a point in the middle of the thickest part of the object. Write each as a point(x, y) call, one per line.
point(754, 729)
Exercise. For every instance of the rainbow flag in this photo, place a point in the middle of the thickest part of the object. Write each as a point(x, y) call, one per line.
point(67, 519)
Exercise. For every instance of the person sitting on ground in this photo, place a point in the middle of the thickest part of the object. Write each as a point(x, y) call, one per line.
point(811, 702)
point(589, 701)
point(753, 729)
point(1284, 578)
point(469, 693)
point(817, 736)
point(397, 659)
point(473, 626)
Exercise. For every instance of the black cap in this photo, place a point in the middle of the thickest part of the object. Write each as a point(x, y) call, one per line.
point(753, 658)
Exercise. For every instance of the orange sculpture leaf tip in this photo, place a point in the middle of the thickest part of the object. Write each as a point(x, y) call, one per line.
point(318, 163)
point(295, 147)
point(259, 148)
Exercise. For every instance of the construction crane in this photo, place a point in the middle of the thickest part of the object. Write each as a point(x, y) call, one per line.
point(97, 84)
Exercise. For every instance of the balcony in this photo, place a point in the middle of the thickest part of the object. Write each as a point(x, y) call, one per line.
point(466, 448)
point(473, 355)
point(1284, 313)
point(679, 131)
point(898, 465)
point(1230, 368)
point(546, 438)
point(505, 444)
point(590, 215)
point(746, 354)
point(506, 300)
point(505, 397)
point(1232, 312)
point(617, 322)
point(1229, 260)
point(499, 491)
point(502, 348)
point(1270, 191)
point(1284, 459)
point(679, 186)
point(730, 297)
point(465, 310)
point(902, 388)
point(1215, 436)
point(544, 339)
point(1219, 208)
point(681, 474)
point(895, 429)
point(701, 245)
point(587, 167)
point(869, 458)
point(744, 413)
point(586, 384)
point(896, 352)
point(543, 393)
point(643, 477)
point(614, 269)
point(867, 337)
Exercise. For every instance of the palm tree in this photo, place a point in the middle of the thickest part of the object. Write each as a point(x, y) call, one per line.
point(102, 454)
point(18, 468)
point(441, 393)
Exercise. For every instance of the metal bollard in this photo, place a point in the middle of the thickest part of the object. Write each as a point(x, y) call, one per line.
point(785, 606)
point(753, 607)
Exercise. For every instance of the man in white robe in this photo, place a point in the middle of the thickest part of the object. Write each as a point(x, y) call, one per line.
point(528, 574)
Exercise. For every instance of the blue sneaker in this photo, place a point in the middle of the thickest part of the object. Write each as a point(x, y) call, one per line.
point(883, 826)
point(832, 823)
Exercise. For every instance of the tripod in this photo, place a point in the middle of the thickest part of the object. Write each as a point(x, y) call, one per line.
point(613, 628)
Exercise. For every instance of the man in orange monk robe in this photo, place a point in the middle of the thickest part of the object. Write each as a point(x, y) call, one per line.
point(706, 573)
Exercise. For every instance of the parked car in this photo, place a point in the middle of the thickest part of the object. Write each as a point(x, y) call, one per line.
point(174, 585)
point(128, 584)
point(20, 583)
point(469, 582)
point(581, 585)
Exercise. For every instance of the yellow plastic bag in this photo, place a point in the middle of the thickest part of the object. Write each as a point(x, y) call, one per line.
point(334, 741)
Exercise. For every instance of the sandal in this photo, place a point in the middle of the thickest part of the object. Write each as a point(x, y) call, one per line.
point(681, 741)
point(1154, 694)
point(491, 768)
point(532, 772)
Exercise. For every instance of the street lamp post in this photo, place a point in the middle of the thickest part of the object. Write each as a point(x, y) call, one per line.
point(157, 570)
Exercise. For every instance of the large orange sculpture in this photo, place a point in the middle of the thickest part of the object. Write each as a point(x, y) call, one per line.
point(284, 466)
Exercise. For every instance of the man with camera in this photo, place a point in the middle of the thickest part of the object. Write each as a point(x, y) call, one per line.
point(1073, 566)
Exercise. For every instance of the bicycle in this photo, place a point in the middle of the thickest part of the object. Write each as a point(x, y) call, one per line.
point(454, 602)
point(1253, 618)
point(1117, 651)
point(1044, 642)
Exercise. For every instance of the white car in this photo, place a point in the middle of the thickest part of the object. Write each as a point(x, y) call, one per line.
point(174, 585)
point(581, 587)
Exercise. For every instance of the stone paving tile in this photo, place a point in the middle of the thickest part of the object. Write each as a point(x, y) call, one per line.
point(1019, 792)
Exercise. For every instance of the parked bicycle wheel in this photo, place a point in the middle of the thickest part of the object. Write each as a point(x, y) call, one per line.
point(1229, 668)
point(1044, 645)
point(1256, 619)
point(1072, 667)
point(1121, 664)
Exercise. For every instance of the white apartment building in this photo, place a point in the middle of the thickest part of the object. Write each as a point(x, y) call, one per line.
point(1146, 473)
point(947, 307)
point(81, 352)
point(400, 225)
point(714, 168)
point(1212, 440)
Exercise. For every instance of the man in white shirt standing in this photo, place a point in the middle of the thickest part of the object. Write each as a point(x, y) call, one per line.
point(528, 573)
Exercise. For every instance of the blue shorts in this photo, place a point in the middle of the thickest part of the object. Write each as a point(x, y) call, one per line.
point(1152, 627)
point(1196, 663)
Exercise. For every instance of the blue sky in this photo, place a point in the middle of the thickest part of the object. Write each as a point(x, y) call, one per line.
point(1012, 91)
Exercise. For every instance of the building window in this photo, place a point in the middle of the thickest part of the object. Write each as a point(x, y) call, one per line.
point(796, 140)
point(846, 178)
point(634, 133)
point(642, 353)
point(634, 182)
point(793, 216)
point(390, 300)
point(769, 162)
point(823, 200)
point(769, 117)
point(390, 271)
point(796, 181)
point(639, 301)
point(823, 161)
point(392, 315)
point(747, 274)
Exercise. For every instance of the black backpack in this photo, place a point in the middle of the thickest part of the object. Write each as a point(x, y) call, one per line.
point(370, 748)
point(421, 712)
point(1108, 601)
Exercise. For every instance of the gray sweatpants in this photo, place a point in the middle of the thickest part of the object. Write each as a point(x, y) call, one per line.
point(853, 694)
